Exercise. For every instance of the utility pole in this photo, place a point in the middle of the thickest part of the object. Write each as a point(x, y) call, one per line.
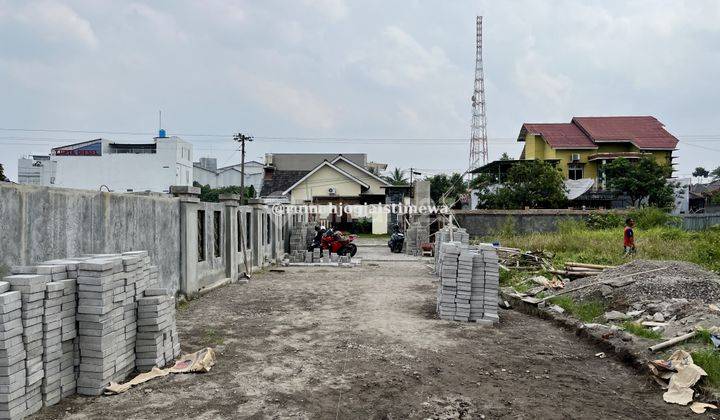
point(242, 138)
point(412, 172)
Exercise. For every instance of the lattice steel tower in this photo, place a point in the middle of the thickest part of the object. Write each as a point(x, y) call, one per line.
point(478, 129)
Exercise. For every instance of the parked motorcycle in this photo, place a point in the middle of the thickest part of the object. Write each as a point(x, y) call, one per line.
point(341, 245)
point(396, 241)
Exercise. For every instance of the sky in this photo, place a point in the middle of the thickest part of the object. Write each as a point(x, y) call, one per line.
point(389, 78)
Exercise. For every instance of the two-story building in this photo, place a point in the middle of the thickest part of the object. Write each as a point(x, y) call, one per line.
point(582, 147)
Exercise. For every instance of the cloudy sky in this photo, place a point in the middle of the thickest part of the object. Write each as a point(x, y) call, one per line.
point(360, 76)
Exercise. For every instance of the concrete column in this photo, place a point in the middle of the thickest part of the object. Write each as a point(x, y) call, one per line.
point(258, 245)
point(189, 199)
point(231, 201)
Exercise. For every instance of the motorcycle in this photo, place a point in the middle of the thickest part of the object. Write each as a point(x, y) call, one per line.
point(396, 242)
point(339, 244)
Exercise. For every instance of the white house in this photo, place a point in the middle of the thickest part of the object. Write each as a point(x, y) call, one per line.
point(206, 172)
point(125, 167)
point(37, 170)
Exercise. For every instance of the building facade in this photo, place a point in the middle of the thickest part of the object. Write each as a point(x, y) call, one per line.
point(582, 147)
point(37, 170)
point(124, 167)
point(206, 172)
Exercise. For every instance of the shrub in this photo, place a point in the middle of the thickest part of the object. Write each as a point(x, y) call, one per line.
point(604, 221)
point(650, 217)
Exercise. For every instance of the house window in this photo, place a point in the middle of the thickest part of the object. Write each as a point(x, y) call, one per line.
point(575, 171)
point(216, 231)
point(201, 235)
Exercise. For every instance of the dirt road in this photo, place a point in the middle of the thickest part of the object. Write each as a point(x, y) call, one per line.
point(364, 343)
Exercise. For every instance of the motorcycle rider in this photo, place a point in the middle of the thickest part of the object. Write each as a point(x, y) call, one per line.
point(317, 240)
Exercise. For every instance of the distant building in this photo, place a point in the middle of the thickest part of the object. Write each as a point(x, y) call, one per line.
point(206, 172)
point(582, 147)
point(37, 170)
point(124, 167)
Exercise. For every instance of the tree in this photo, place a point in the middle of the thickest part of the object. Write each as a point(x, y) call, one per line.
point(505, 156)
point(212, 195)
point(532, 183)
point(701, 172)
point(451, 187)
point(2, 173)
point(397, 177)
point(715, 174)
point(643, 179)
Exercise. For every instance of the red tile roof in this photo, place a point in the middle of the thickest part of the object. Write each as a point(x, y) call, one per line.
point(643, 132)
point(559, 136)
point(585, 132)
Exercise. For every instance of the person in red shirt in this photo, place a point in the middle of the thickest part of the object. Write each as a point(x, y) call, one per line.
point(629, 237)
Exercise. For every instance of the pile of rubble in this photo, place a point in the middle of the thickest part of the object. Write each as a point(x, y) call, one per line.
point(72, 326)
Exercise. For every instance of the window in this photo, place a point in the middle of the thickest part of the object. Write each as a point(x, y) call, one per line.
point(216, 232)
point(201, 235)
point(575, 171)
point(248, 225)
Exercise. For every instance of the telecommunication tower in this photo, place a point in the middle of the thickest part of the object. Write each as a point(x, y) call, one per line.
point(478, 129)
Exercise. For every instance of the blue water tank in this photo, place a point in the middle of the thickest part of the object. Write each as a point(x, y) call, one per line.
point(162, 134)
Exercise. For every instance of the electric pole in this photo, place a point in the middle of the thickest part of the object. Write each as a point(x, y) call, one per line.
point(413, 172)
point(242, 138)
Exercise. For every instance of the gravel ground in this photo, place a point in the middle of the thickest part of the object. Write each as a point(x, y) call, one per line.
point(364, 343)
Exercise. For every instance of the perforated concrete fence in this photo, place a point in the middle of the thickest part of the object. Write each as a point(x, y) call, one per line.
point(76, 324)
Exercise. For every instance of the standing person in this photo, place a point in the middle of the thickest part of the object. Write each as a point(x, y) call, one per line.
point(629, 237)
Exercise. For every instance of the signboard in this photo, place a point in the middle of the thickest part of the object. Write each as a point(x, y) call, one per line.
point(87, 149)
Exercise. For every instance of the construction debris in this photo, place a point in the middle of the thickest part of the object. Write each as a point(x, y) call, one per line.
point(681, 375)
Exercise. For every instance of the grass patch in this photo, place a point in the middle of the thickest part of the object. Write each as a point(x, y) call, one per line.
point(636, 329)
point(577, 242)
point(585, 311)
point(709, 360)
point(702, 336)
point(183, 305)
point(213, 337)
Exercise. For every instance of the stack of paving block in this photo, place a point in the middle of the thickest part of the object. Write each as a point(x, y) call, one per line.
point(32, 294)
point(448, 272)
point(411, 243)
point(69, 345)
point(52, 335)
point(157, 342)
point(12, 355)
point(99, 316)
point(490, 286)
point(301, 236)
point(469, 278)
point(447, 234)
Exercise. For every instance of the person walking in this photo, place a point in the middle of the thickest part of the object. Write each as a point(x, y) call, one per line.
point(629, 237)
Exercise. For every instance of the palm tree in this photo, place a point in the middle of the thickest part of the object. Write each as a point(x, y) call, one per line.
point(397, 177)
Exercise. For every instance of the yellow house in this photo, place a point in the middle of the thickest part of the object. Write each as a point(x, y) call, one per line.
point(581, 148)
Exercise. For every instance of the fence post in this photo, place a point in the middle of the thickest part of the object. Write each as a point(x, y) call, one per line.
point(231, 202)
point(189, 199)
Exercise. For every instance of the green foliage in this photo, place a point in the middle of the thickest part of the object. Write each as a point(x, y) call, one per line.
point(715, 199)
point(532, 183)
point(585, 311)
point(645, 178)
point(650, 217)
point(2, 173)
point(709, 360)
point(505, 156)
point(604, 221)
point(508, 228)
point(211, 195)
point(701, 172)
point(397, 177)
point(638, 330)
point(604, 246)
point(453, 185)
point(715, 174)
point(213, 337)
